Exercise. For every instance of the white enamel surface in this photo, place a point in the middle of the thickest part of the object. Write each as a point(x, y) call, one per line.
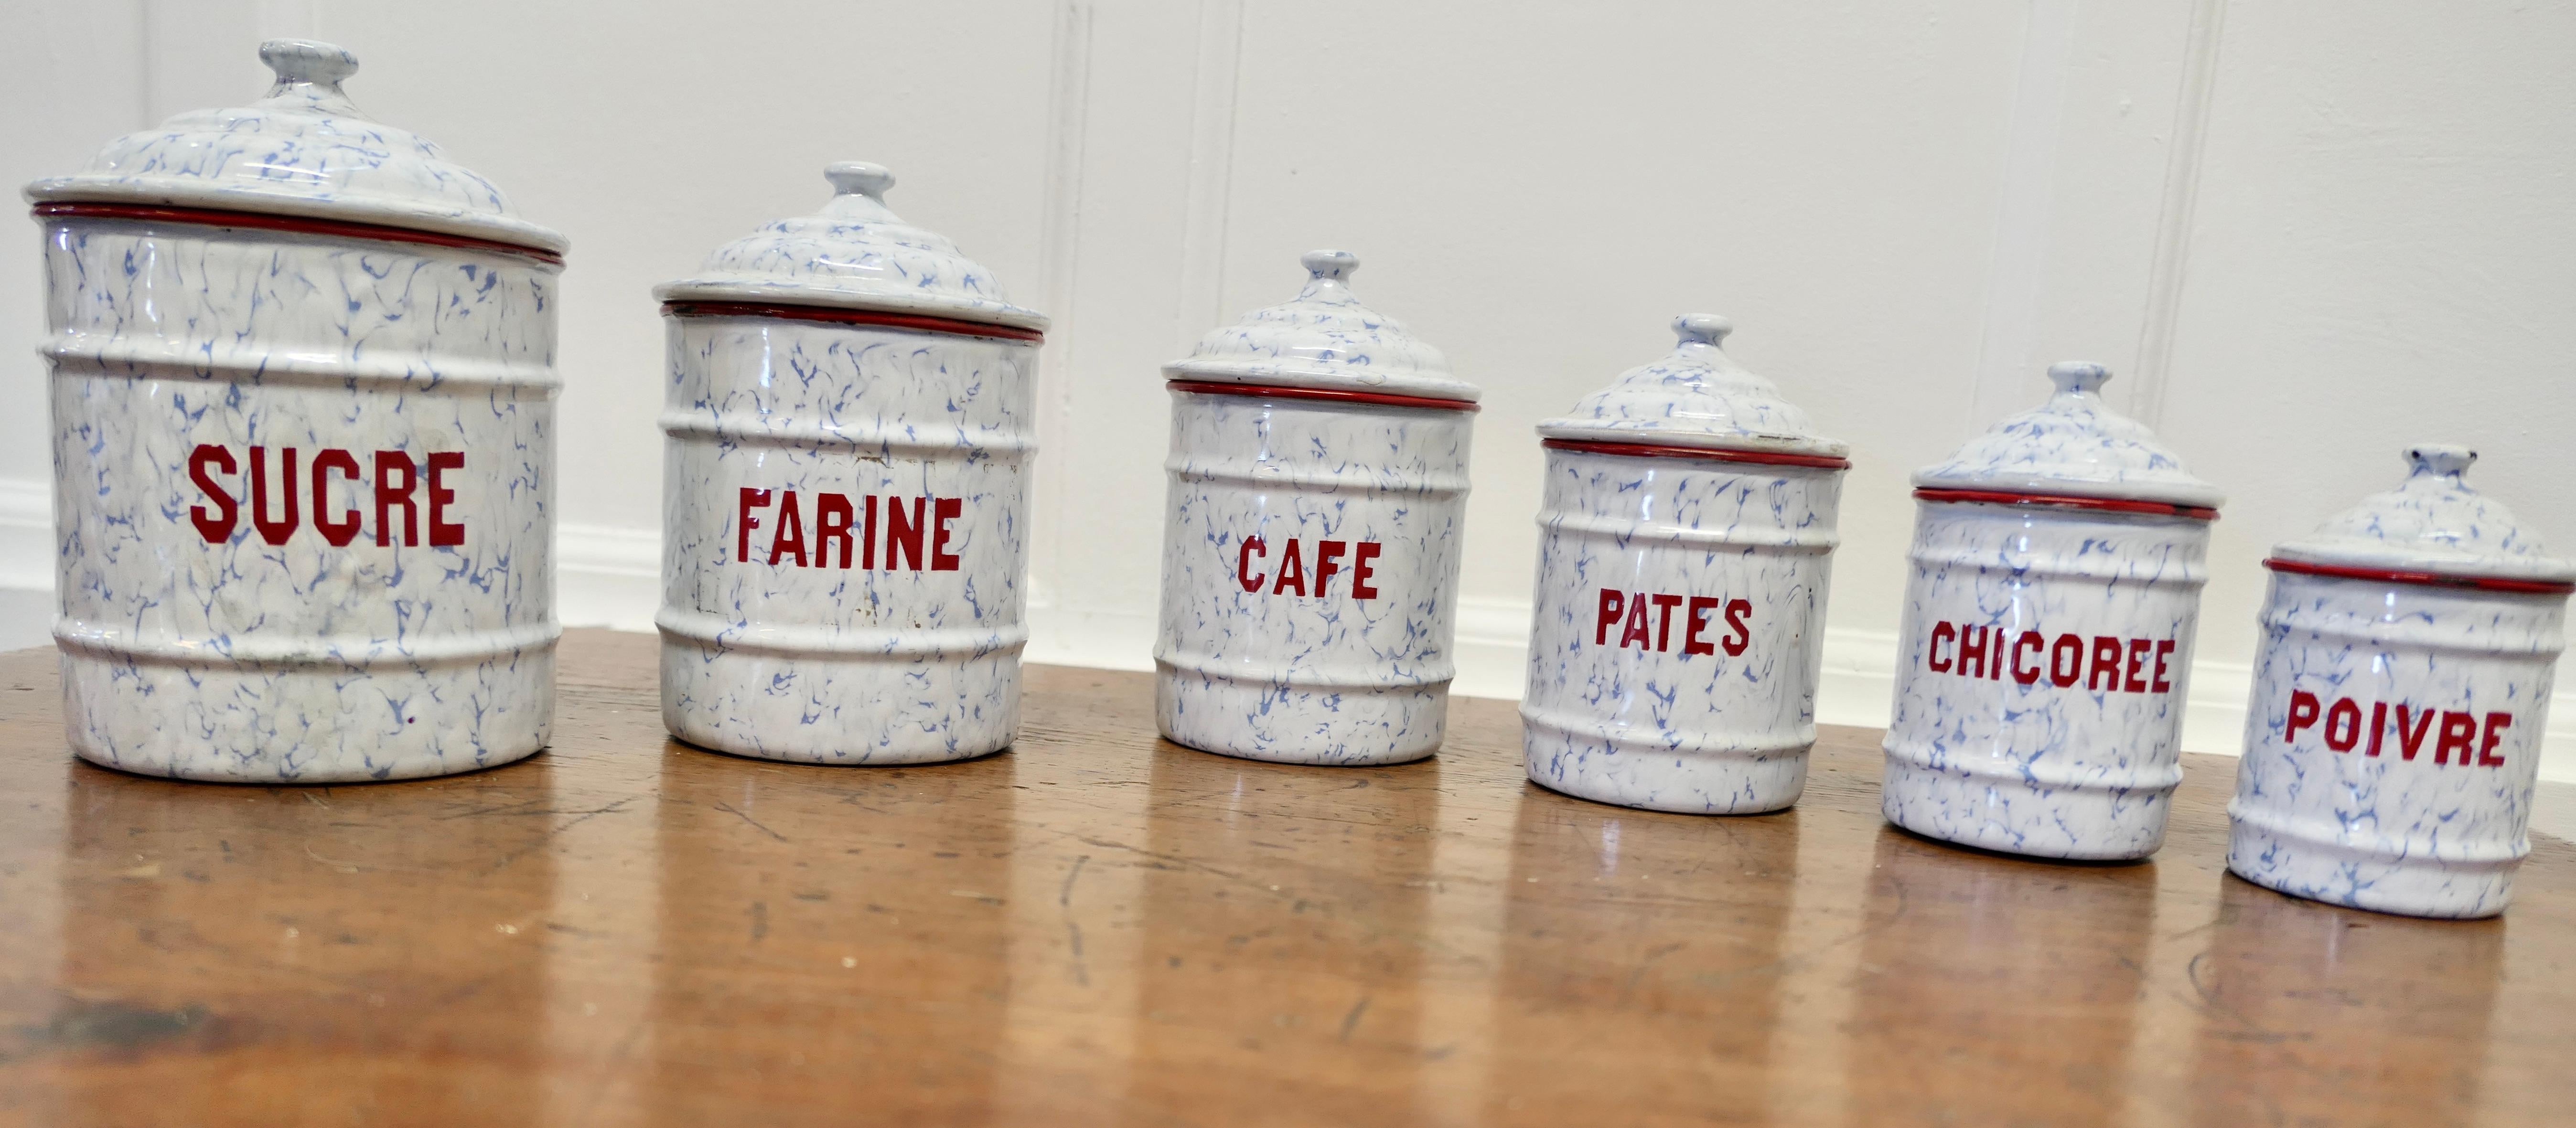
point(1696, 396)
point(2083, 770)
point(2074, 444)
point(1640, 705)
point(239, 659)
point(304, 149)
point(1323, 338)
point(2394, 734)
point(1325, 678)
point(891, 659)
point(855, 253)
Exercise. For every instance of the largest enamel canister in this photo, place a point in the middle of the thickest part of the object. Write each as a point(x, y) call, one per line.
point(2401, 687)
point(1311, 544)
point(1685, 548)
point(303, 396)
point(2057, 566)
point(849, 407)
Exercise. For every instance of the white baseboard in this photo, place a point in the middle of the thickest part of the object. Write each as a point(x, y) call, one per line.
point(611, 577)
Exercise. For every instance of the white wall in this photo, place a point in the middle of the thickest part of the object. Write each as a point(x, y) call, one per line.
point(2304, 234)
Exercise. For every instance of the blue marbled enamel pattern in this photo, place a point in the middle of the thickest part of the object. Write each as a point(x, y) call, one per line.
point(1649, 723)
point(2392, 821)
point(829, 662)
point(2035, 767)
point(240, 659)
point(1314, 679)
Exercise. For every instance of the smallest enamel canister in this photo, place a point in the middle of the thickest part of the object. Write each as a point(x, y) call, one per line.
point(1686, 535)
point(1310, 548)
point(2401, 687)
point(2057, 566)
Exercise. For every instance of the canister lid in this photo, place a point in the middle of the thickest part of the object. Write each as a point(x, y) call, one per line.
point(2075, 445)
point(304, 150)
point(1696, 397)
point(856, 253)
point(2432, 523)
point(1324, 338)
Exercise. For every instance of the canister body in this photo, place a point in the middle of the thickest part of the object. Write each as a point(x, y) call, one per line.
point(1310, 566)
point(1678, 633)
point(844, 549)
point(2393, 743)
point(303, 501)
point(2041, 677)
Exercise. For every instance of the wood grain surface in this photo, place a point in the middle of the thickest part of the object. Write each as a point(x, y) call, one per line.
point(1100, 928)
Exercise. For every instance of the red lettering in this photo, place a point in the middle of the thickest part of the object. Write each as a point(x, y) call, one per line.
point(746, 501)
point(1695, 620)
point(1932, 659)
point(2378, 725)
point(832, 526)
point(2106, 664)
point(2496, 724)
point(2136, 682)
point(1613, 601)
point(216, 527)
point(2066, 661)
point(1360, 570)
point(868, 533)
point(389, 495)
point(2410, 740)
point(273, 531)
point(2031, 643)
point(1327, 553)
point(1664, 605)
point(2343, 725)
point(344, 530)
point(1243, 554)
point(1972, 652)
point(443, 533)
point(1636, 631)
point(2304, 710)
point(790, 538)
point(2164, 650)
point(2459, 732)
point(1292, 570)
point(903, 533)
point(1739, 634)
point(942, 511)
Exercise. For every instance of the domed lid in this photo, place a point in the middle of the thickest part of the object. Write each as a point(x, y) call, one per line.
point(2432, 522)
point(2074, 445)
point(854, 254)
point(1695, 397)
point(1324, 338)
point(303, 150)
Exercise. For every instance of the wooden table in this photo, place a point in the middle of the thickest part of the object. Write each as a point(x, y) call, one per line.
point(1102, 928)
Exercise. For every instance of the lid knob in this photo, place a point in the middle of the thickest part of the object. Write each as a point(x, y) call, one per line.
point(2078, 377)
point(1337, 265)
point(859, 178)
point(1702, 328)
point(2438, 459)
point(305, 60)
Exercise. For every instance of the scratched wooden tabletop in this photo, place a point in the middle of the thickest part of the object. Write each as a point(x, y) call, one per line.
point(1098, 927)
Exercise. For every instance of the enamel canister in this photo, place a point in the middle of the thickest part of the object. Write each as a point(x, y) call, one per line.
point(849, 409)
point(1310, 547)
point(2401, 687)
point(303, 383)
point(1685, 548)
point(2041, 671)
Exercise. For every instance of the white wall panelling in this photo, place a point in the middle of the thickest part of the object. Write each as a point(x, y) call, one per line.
point(2278, 223)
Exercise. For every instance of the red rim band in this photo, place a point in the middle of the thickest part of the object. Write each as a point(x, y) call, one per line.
point(829, 315)
point(300, 224)
point(1328, 395)
point(2430, 579)
point(1702, 454)
point(2070, 501)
